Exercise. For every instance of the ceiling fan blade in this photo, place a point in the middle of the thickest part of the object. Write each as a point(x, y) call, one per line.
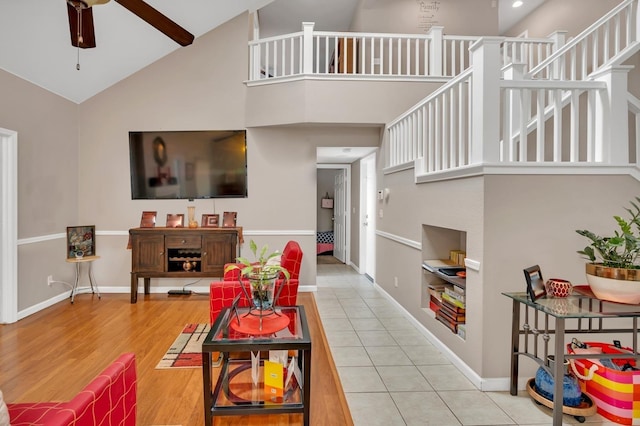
point(156, 19)
point(88, 36)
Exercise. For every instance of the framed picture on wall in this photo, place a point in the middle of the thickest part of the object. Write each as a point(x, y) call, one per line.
point(210, 220)
point(81, 241)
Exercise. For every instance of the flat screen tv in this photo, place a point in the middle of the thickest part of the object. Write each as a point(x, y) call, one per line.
point(188, 164)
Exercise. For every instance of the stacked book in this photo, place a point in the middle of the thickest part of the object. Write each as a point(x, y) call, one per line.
point(435, 295)
point(452, 308)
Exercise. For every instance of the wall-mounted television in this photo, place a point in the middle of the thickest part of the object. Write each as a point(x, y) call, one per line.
point(188, 164)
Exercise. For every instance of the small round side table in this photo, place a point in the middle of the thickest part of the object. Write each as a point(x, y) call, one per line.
point(93, 286)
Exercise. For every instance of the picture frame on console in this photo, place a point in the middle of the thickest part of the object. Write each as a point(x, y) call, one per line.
point(175, 220)
point(81, 241)
point(148, 219)
point(210, 221)
point(229, 219)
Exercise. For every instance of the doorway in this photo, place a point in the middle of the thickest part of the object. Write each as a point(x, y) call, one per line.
point(8, 226)
point(334, 183)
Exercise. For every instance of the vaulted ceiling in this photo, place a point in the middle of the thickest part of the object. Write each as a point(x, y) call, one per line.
point(35, 42)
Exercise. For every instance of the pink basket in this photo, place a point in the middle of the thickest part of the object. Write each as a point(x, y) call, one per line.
point(616, 393)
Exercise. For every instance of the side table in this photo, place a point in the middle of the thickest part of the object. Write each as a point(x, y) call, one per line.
point(233, 392)
point(93, 287)
point(580, 313)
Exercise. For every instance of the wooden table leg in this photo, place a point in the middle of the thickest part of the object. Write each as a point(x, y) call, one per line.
point(134, 288)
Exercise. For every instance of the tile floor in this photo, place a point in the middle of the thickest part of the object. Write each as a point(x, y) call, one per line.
point(392, 375)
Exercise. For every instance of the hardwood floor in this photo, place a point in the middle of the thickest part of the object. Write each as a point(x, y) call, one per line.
point(53, 354)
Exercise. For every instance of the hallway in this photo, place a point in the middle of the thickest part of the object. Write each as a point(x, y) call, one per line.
point(392, 375)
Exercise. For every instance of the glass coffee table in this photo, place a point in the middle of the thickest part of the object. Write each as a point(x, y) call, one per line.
point(239, 387)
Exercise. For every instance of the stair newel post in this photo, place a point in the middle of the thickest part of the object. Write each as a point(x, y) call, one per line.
point(516, 116)
point(559, 38)
point(611, 129)
point(435, 51)
point(635, 32)
point(254, 53)
point(307, 47)
point(485, 100)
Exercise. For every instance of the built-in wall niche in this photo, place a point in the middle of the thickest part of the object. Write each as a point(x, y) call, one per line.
point(438, 242)
point(443, 292)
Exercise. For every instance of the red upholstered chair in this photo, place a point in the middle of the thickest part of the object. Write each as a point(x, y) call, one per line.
point(222, 293)
point(109, 399)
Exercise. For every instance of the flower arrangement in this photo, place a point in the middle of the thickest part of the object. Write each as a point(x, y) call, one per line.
point(261, 273)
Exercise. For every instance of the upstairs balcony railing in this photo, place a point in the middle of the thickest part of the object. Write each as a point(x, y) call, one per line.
point(378, 56)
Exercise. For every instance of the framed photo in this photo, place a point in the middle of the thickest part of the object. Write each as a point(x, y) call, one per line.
point(81, 241)
point(535, 282)
point(210, 220)
point(175, 220)
point(148, 220)
point(326, 203)
point(229, 219)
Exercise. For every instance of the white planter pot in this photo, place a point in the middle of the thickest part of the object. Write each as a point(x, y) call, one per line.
point(624, 288)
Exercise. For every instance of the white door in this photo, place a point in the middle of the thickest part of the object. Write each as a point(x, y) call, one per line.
point(339, 213)
point(368, 212)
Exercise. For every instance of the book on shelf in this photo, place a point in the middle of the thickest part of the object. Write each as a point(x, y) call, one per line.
point(450, 325)
point(453, 310)
point(454, 293)
point(462, 331)
point(433, 265)
point(457, 256)
point(435, 301)
point(434, 306)
point(453, 302)
point(457, 317)
point(435, 293)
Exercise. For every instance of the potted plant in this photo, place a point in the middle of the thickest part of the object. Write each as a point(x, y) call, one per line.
point(613, 271)
point(262, 274)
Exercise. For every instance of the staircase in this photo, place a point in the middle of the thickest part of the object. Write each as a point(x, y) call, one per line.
point(507, 114)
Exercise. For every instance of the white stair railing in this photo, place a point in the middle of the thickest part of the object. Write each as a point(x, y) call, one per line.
point(437, 129)
point(594, 47)
point(533, 122)
point(540, 105)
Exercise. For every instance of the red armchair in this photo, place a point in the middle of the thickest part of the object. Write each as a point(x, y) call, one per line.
point(110, 399)
point(222, 293)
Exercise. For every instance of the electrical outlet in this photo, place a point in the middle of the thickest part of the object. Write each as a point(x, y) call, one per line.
point(49, 280)
point(395, 281)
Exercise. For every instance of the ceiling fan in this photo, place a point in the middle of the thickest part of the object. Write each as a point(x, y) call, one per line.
point(81, 21)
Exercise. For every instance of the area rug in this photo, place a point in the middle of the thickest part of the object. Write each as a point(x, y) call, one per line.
point(186, 351)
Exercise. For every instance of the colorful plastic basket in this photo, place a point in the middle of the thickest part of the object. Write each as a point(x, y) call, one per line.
point(616, 393)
